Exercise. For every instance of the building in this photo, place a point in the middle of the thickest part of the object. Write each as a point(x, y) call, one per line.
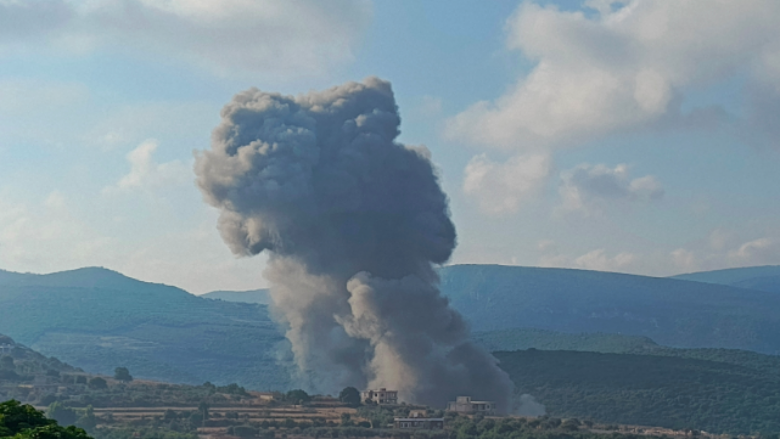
point(380, 397)
point(464, 404)
point(418, 420)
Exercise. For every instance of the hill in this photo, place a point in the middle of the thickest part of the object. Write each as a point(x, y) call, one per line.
point(260, 297)
point(17, 361)
point(672, 312)
point(650, 390)
point(764, 278)
point(99, 319)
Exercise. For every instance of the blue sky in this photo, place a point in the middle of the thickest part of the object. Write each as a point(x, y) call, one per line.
point(633, 135)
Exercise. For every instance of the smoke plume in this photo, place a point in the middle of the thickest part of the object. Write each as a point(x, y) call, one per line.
point(354, 223)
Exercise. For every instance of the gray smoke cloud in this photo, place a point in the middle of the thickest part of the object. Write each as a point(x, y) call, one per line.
point(354, 224)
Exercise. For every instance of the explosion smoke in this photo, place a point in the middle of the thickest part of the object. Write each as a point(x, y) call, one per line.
point(354, 223)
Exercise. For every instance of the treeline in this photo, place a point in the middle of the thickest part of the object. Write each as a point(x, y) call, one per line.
point(651, 390)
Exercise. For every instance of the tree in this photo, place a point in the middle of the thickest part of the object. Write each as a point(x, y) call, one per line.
point(350, 396)
point(25, 422)
point(203, 408)
point(98, 383)
point(122, 374)
point(297, 396)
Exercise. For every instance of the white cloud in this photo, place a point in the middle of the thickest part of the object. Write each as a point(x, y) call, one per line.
point(291, 37)
point(147, 174)
point(600, 261)
point(762, 251)
point(501, 187)
point(621, 68)
point(589, 188)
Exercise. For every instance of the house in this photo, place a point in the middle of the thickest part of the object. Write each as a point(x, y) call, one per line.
point(464, 404)
point(380, 397)
point(419, 420)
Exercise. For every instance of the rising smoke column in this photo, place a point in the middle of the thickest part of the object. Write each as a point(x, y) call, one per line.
point(353, 223)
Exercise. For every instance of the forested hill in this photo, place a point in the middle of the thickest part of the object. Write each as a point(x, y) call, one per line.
point(672, 312)
point(672, 392)
point(98, 319)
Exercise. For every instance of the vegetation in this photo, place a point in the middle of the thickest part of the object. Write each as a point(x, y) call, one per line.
point(650, 390)
point(122, 374)
point(462, 427)
point(19, 421)
point(297, 396)
point(350, 396)
point(30, 377)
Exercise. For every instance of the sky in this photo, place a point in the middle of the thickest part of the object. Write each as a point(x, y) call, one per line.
point(636, 136)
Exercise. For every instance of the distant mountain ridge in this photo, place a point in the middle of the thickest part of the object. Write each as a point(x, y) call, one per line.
point(99, 319)
point(677, 313)
point(87, 277)
point(260, 296)
point(763, 278)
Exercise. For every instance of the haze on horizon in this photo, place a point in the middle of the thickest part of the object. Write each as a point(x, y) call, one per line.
point(635, 136)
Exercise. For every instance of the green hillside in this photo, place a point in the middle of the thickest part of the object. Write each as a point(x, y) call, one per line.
point(650, 390)
point(672, 312)
point(99, 319)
